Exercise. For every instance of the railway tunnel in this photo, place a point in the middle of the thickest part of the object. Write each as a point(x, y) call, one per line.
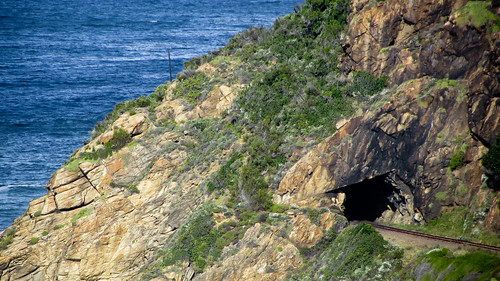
point(382, 198)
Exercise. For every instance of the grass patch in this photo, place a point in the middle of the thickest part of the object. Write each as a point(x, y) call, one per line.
point(59, 226)
point(441, 196)
point(450, 267)
point(81, 214)
point(457, 159)
point(7, 238)
point(478, 14)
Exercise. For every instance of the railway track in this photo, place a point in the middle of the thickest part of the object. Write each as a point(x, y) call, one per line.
point(434, 237)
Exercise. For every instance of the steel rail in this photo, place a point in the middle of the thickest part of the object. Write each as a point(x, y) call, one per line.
point(434, 237)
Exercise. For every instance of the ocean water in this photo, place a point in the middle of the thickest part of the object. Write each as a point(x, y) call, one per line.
point(65, 64)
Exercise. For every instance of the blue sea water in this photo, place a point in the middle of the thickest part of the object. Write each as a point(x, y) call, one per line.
point(65, 64)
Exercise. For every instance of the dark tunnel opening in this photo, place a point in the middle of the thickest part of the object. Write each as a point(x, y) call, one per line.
point(367, 200)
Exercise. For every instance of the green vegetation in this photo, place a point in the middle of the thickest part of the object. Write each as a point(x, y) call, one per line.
point(357, 253)
point(457, 159)
point(478, 14)
point(198, 241)
point(81, 214)
point(478, 265)
point(457, 223)
point(296, 92)
point(59, 226)
point(491, 160)
point(132, 188)
point(194, 88)
point(130, 106)
point(313, 215)
point(441, 196)
point(7, 238)
point(34, 240)
point(45, 233)
point(278, 208)
point(120, 138)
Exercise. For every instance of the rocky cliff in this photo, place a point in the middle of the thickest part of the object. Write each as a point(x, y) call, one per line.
point(243, 167)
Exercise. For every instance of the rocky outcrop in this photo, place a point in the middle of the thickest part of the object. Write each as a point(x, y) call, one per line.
point(110, 218)
point(414, 132)
point(103, 219)
point(408, 40)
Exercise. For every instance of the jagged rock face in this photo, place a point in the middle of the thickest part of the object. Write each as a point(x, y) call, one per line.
point(415, 134)
point(407, 136)
point(408, 40)
point(93, 225)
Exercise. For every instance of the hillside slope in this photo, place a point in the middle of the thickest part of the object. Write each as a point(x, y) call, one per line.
point(250, 165)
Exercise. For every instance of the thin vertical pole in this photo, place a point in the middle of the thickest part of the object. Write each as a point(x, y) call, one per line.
point(170, 65)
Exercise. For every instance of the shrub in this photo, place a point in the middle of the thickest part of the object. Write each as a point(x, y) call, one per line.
point(313, 215)
point(479, 264)
point(457, 160)
point(59, 226)
point(278, 208)
point(491, 160)
point(198, 241)
point(133, 188)
point(7, 238)
point(34, 240)
point(120, 137)
point(478, 14)
point(193, 88)
point(366, 84)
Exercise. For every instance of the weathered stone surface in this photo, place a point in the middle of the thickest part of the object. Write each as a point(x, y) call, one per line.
point(220, 99)
point(411, 136)
point(255, 257)
point(92, 226)
point(408, 40)
point(134, 124)
point(304, 233)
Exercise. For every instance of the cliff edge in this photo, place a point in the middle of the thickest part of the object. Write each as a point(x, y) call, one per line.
point(252, 163)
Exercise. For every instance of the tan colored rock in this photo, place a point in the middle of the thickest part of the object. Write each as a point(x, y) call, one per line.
point(36, 206)
point(220, 99)
point(133, 124)
point(207, 68)
point(106, 137)
point(256, 257)
point(327, 220)
point(63, 177)
point(49, 205)
point(304, 233)
point(169, 109)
